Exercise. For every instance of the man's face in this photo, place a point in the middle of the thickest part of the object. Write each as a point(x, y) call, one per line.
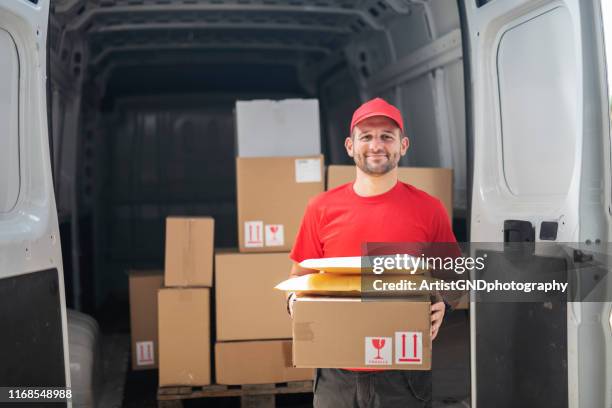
point(376, 145)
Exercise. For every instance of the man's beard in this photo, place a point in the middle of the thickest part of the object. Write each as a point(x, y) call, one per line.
point(361, 161)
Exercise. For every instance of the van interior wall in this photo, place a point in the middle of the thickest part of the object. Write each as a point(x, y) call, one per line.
point(172, 153)
point(155, 132)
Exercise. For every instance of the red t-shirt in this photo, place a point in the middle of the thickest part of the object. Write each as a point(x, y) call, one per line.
point(338, 221)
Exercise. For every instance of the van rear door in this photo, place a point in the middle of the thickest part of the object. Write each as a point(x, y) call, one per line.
point(33, 342)
point(541, 164)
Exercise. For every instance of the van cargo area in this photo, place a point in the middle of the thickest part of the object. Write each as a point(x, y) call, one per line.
point(179, 141)
point(143, 97)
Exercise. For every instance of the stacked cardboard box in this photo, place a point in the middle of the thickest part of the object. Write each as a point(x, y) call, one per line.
point(260, 361)
point(144, 285)
point(348, 332)
point(184, 302)
point(266, 128)
point(278, 169)
point(272, 195)
point(247, 306)
point(253, 327)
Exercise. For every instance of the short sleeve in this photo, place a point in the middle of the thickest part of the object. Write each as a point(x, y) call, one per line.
point(442, 230)
point(308, 244)
point(442, 241)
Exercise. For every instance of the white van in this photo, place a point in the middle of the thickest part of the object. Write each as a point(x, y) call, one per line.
point(116, 113)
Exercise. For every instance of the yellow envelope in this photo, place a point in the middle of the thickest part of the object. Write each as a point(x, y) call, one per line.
point(331, 284)
point(322, 283)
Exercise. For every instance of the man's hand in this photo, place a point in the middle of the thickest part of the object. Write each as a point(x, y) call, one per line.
point(290, 301)
point(437, 314)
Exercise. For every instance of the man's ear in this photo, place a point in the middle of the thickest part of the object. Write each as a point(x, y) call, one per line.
point(348, 144)
point(405, 144)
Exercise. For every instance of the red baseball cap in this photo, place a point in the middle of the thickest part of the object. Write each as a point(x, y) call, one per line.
point(377, 107)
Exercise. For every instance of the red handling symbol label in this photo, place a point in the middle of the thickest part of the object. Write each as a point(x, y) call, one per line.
point(378, 350)
point(253, 234)
point(144, 353)
point(275, 235)
point(408, 347)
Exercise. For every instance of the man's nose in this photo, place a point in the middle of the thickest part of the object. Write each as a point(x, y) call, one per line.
point(376, 144)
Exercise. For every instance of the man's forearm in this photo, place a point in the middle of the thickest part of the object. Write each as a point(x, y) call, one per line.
point(296, 271)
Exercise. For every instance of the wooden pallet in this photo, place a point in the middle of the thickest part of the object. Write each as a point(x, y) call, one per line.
point(251, 396)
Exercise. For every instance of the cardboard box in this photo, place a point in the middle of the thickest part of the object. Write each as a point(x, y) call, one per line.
point(184, 336)
point(189, 251)
point(247, 305)
point(272, 195)
point(143, 317)
point(257, 362)
point(266, 128)
point(350, 333)
point(435, 181)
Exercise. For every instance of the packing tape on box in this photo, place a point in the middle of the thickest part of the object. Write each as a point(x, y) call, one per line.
point(303, 331)
point(287, 354)
point(190, 267)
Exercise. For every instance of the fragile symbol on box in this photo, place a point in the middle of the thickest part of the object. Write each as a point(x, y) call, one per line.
point(408, 347)
point(378, 350)
point(253, 234)
point(144, 353)
point(275, 235)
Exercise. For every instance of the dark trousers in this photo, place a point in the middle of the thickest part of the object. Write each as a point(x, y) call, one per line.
point(337, 388)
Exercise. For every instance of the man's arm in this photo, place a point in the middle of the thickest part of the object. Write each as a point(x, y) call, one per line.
point(296, 271)
point(437, 315)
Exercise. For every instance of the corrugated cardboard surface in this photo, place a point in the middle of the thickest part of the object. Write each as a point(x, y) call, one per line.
point(435, 181)
point(257, 362)
point(184, 336)
point(268, 193)
point(334, 332)
point(143, 317)
point(189, 251)
point(268, 128)
point(247, 305)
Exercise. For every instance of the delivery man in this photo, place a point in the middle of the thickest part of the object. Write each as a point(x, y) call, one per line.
point(375, 208)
